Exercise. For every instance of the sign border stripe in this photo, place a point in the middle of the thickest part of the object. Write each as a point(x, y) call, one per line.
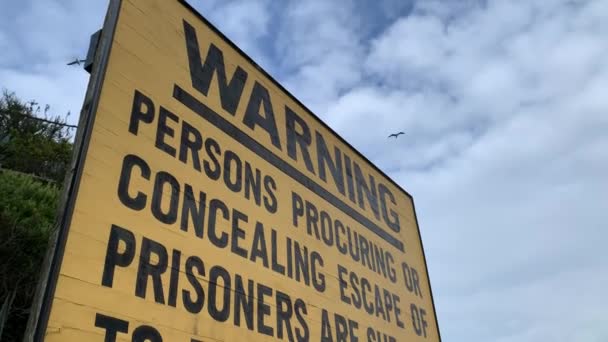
point(38, 320)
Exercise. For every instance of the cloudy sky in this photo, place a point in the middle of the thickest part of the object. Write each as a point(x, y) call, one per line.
point(505, 108)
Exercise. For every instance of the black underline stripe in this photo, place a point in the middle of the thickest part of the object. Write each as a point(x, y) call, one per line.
point(230, 129)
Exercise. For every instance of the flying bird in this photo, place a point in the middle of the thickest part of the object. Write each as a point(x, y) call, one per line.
point(77, 61)
point(396, 135)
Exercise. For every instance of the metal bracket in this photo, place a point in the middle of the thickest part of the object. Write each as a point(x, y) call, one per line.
point(88, 64)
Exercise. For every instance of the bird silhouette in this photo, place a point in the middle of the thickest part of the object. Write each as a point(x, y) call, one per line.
point(396, 135)
point(77, 61)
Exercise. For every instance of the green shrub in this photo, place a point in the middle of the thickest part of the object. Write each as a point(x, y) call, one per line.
point(27, 214)
point(31, 145)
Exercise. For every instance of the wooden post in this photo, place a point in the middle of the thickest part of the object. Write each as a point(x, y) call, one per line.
point(41, 305)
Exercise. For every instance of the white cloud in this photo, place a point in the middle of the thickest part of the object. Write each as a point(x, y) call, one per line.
point(61, 87)
point(245, 22)
point(319, 47)
point(505, 153)
point(505, 111)
point(42, 37)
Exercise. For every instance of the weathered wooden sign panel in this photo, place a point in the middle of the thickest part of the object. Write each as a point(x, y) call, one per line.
point(210, 205)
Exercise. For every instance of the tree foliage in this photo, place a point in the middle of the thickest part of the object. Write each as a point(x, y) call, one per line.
point(34, 158)
point(27, 214)
point(42, 148)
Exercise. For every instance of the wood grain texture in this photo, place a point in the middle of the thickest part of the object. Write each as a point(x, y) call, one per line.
point(149, 56)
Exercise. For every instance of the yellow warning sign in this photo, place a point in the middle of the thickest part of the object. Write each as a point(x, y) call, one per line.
point(210, 205)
